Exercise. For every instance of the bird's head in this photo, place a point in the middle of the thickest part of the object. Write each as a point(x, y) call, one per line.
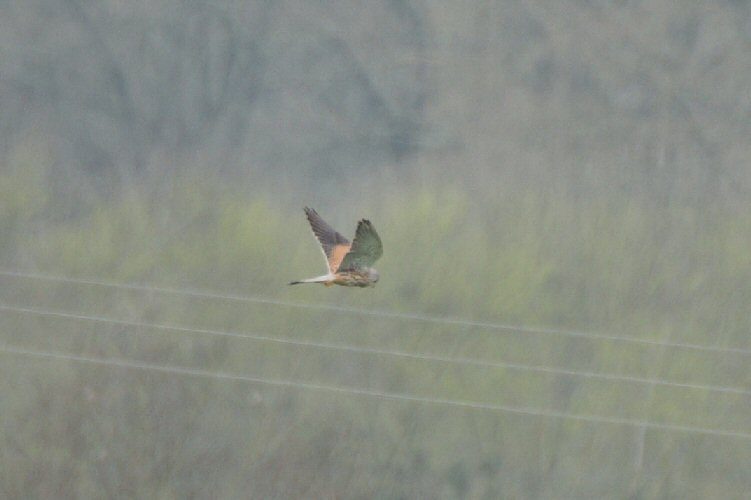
point(373, 276)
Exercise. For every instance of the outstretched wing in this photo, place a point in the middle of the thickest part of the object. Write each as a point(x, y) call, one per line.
point(366, 248)
point(334, 245)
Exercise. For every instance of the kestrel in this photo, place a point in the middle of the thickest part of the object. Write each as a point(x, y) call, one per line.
point(348, 264)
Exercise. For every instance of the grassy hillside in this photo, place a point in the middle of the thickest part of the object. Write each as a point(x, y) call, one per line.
point(610, 265)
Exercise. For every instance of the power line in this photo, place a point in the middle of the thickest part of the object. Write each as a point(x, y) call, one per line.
point(191, 292)
point(393, 396)
point(376, 351)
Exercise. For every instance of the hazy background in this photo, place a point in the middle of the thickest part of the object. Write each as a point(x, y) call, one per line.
point(578, 166)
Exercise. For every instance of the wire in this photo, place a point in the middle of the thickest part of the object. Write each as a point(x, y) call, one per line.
point(393, 396)
point(376, 313)
point(376, 351)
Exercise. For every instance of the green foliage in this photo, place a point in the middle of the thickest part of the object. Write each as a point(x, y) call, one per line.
point(613, 265)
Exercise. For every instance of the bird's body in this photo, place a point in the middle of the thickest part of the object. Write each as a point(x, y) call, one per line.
point(349, 264)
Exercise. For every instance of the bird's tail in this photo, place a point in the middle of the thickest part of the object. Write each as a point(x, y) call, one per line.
point(317, 279)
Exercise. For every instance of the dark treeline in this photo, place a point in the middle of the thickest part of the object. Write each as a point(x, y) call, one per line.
point(630, 96)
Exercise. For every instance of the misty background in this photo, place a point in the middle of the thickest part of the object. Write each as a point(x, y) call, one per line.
point(562, 190)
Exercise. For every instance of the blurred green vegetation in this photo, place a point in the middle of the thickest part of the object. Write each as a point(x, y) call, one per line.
point(578, 165)
point(610, 264)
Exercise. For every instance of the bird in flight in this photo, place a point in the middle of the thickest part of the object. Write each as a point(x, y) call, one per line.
point(349, 264)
